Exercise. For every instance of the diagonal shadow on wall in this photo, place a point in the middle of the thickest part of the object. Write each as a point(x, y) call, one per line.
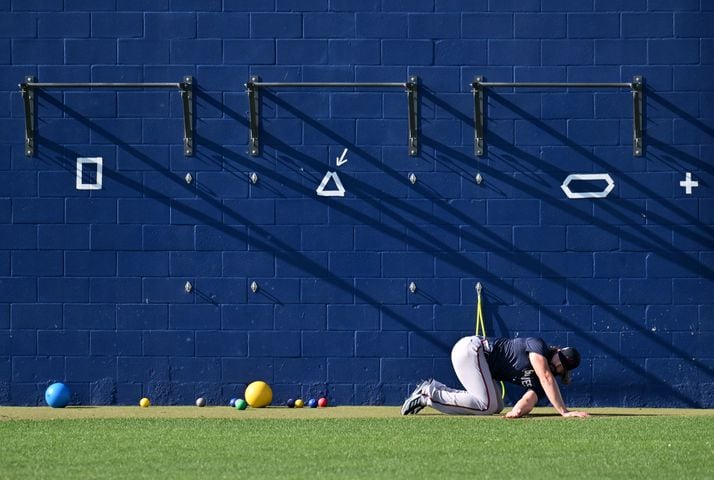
point(495, 245)
point(707, 231)
point(426, 241)
point(258, 236)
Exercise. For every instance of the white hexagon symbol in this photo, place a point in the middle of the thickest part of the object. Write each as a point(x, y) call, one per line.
point(588, 176)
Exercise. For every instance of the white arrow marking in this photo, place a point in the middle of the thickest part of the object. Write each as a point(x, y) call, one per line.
point(341, 160)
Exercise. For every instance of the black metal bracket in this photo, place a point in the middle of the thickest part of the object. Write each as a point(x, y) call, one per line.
point(255, 84)
point(28, 99)
point(479, 86)
point(638, 93)
point(413, 111)
point(477, 90)
point(28, 87)
point(187, 99)
point(254, 106)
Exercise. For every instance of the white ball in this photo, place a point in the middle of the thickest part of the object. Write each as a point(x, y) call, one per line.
point(200, 402)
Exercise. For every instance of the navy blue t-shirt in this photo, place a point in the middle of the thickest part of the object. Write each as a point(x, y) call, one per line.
point(509, 362)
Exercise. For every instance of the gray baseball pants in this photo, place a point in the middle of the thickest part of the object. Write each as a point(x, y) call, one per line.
point(482, 395)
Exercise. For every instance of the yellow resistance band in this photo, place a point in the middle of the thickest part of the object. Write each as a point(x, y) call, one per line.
point(481, 327)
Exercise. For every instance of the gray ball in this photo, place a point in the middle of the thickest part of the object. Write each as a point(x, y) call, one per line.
point(200, 402)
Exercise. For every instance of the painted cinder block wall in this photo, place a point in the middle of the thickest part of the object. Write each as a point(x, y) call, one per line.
point(92, 282)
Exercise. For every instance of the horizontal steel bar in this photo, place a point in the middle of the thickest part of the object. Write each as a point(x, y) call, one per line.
point(101, 85)
point(557, 84)
point(254, 85)
point(329, 84)
point(479, 86)
point(29, 85)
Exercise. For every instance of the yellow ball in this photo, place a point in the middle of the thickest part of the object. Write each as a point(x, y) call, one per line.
point(258, 394)
point(144, 402)
point(299, 403)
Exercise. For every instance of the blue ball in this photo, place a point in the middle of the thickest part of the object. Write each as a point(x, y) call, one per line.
point(312, 403)
point(232, 403)
point(290, 403)
point(57, 395)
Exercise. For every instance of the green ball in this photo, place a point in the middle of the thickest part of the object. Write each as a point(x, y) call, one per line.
point(240, 404)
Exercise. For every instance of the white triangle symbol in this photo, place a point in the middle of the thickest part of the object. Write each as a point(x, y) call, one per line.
point(340, 192)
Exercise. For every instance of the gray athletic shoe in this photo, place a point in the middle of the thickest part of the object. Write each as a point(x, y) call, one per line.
point(420, 387)
point(416, 401)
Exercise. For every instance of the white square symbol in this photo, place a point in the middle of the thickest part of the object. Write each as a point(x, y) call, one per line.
point(81, 162)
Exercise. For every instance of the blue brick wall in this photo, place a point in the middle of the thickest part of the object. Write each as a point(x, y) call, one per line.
point(92, 282)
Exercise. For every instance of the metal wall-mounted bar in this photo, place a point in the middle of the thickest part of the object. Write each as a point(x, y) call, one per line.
point(479, 86)
point(255, 84)
point(28, 87)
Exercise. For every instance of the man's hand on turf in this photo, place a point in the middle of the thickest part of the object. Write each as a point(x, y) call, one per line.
point(513, 414)
point(575, 414)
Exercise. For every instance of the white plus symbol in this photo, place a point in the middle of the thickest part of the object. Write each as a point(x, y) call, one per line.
point(687, 183)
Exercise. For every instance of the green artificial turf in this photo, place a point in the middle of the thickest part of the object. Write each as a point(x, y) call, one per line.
point(388, 446)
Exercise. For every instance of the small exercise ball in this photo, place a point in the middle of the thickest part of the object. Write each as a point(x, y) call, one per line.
point(57, 395)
